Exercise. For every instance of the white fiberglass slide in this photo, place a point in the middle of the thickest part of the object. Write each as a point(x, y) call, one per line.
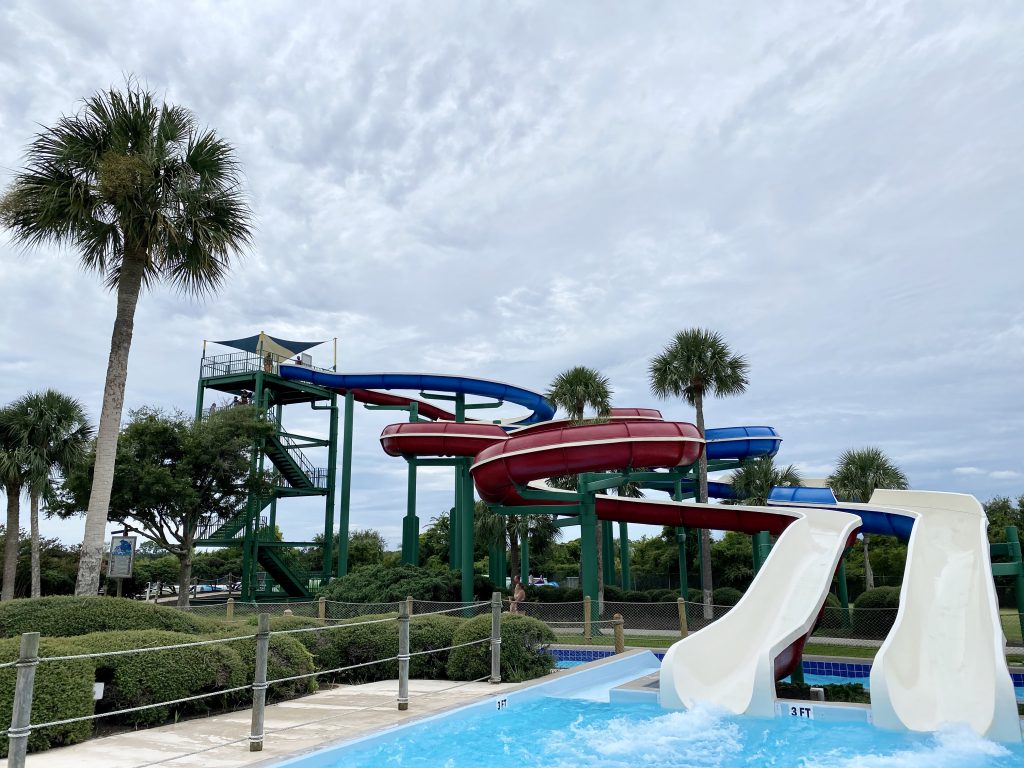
point(731, 663)
point(944, 658)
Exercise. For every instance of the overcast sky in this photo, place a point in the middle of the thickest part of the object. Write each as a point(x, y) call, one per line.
point(505, 190)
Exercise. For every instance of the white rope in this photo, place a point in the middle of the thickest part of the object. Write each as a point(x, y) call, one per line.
point(331, 671)
point(333, 626)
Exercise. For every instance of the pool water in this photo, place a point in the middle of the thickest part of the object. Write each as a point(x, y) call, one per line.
point(568, 733)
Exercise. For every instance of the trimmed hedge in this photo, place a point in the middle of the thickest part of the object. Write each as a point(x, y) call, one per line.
point(288, 657)
point(726, 596)
point(391, 583)
point(523, 640)
point(63, 689)
point(72, 616)
point(875, 611)
point(138, 679)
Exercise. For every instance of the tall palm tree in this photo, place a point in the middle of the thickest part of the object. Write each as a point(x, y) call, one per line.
point(146, 195)
point(696, 363)
point(12, 478)
point(857, 474)
point(509, 530)
point(51, 431)
point(753, 482)
point(575, 390)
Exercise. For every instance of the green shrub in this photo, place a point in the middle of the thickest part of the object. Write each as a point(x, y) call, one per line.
point(63, 689)
point(694, 595)
point(614, 594)
point(138, 679)
point(726, 596)
point(832, 614)
point(636, 597)
point(391, 583)
point(287, 657)
point(849, 692)
point(68, 616)
point(664, 595)
point(875, 611)
point(523, 641)
point(429, 633)
point(553, 594)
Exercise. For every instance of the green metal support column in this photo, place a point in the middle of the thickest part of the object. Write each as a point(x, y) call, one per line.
point(627, 581)
point(588, 546)
point(844, 592)
point(761, 543)
point(608, 551)
point(411, 523)
point(684, 584)
point(346, 485)
point(455, 529)
point(1014, 550)
point(466, 529)
point(326, 565)
point(199, 400)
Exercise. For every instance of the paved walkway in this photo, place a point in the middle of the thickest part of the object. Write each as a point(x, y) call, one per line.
point(291, 728)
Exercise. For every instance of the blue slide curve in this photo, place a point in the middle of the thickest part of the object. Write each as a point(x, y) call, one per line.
point(872, 521)
point(541, 409)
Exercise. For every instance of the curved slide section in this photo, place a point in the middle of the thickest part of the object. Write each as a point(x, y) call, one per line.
point(734, 662)
point(944, 659)
point(541, 409)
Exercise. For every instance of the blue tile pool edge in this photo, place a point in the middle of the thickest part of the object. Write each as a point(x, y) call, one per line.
point(641, 662)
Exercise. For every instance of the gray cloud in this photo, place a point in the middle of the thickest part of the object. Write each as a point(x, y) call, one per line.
point(506, 191)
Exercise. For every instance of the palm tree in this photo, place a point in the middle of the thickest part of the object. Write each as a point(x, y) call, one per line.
point(575, 390)
point(51, 431)
point(12, 478)
point(753, 482)
point(857, 474)
point(146, 195)
point(696, 363)
point(509, 530)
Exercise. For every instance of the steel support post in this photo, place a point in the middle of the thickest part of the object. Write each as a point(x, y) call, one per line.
point(844, 592)
point(684, 585)
point(346, 485)
point(466, 529)
point(403, 656)
point(495, 638)
point(411, 523)
point(627, 580)
point(327, 563)
point(608, 551)
point(588, 546)
point(259, 683)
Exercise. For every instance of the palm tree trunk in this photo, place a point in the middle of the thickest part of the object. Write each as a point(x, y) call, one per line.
point(91, 559)
point(513, 548)
point(11, 543)
point(34, 523)
point(705, 535)
point(869, 575)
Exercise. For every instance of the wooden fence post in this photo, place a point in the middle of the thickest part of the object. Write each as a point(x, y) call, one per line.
point(620, 640)
point(322, 610)
point(230, 610)
point(21, 712)
point(259, 684)
point(684, 630)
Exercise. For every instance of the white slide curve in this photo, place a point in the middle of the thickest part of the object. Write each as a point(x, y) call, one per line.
point(944, 658)
point(731, 663)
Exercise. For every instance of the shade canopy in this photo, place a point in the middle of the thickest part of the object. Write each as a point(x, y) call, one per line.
point(262, 343)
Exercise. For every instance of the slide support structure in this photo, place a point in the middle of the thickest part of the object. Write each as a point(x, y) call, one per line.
point(608, 551)
point(762, 546)
point(684, 586)
point(843, 589)
point(411, 523)
point(345, 502)
point(627, 581)
point(588, 544)
point(1011, 550)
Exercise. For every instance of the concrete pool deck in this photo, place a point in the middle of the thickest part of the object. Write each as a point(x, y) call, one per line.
point(292, 727)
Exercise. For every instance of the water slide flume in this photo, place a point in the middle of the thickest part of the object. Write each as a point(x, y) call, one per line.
point(944, 659)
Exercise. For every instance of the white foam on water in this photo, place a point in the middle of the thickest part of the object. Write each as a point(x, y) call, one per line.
point(701, 737)
point(951, 747)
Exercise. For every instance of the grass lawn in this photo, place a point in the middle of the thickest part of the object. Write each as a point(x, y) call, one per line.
point(1011, 624)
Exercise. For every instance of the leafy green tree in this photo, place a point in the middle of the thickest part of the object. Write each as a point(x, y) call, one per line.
point(508, 531)
point(858, 473)
point(695, 364)
point(52, 433)
point(574, 391)
point(146, 195)
point(173, 474)
point(1002, 513)
point(753, 482)
point(434, 541)
point(366, 547)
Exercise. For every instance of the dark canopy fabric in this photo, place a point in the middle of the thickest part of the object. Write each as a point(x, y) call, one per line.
point(255, 343)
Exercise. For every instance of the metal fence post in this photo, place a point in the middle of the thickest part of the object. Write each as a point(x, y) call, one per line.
point(684, 630)
point(587, 633)
point(259, 684)
point(403, 655)
point(21, 711)
point(230, 610)
point(495, 637)
point(620, 641)
point(322, 609)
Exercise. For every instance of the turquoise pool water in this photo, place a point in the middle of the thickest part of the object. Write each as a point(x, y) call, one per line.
point(568, 733)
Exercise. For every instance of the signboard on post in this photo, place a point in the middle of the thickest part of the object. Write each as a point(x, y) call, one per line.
point(122, 557)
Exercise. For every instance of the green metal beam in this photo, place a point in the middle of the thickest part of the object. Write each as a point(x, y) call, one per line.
point(346, 485)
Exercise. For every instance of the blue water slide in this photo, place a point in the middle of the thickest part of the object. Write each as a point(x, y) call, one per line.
point(541, 409)
point(715, 490)
point(741, 442)
point(872, 521)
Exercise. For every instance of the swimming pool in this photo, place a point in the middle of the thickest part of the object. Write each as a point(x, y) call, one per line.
point(567, 721)
point(568, 733)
